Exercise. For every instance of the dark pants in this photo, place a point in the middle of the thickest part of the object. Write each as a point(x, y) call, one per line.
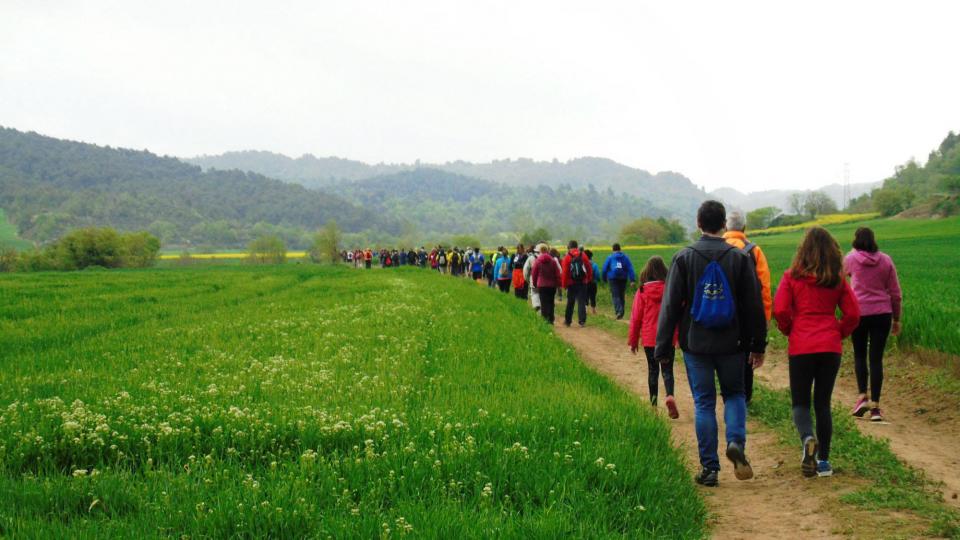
point(747, 378)
point(547, 302)
point(477, 275)
point(576, 294)
point(653, 374)
point(504, 285)
point(701, 370)
point(618, 291)
point(367, 264)
point(869, 341)
point(521, 292)
point(592, 294)
point(819, 372)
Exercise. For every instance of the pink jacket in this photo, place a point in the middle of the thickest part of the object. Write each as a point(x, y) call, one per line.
point(545, 272)
point(875, 283)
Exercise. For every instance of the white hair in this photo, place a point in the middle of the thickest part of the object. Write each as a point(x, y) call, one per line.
point(736, 222)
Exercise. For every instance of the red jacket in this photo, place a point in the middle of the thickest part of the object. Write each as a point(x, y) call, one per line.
point(646, 315)
point(545, 272)
point(806, 314)
point(565, 280)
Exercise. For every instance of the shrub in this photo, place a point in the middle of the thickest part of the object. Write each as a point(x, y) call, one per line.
point(8, 259)
point(890, 201)
point(139, 249)
point(267, 249)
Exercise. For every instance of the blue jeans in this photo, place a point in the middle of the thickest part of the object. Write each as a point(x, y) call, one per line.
point(618, 289)
point(700, 374)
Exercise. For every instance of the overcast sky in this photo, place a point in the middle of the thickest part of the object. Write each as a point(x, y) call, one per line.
point(753, 95)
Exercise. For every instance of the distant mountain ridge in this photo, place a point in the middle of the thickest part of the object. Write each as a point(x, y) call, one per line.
point(779, 197)
point(48, 186)
point(669, 191)
point(437, 203)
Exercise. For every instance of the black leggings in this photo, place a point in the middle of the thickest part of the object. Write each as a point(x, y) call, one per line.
point(592, 294)
point(819, 372)
point(873, 329)
point(504, 285)
point(653, 375)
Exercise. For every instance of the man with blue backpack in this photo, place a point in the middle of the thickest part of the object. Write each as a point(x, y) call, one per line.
point(712, 295)
point(617, 269)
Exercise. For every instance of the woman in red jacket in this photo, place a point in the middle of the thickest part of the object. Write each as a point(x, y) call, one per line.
point(805, 308)
point(643, 328)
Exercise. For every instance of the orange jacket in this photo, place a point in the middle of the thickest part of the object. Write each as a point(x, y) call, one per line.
point(739, 240)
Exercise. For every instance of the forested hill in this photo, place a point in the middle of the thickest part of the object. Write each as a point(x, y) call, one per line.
point(669, 191)
point(48, 186)
point(435, 204)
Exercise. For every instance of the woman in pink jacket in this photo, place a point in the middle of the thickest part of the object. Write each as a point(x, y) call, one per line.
point(643, 328)
point(877, 288)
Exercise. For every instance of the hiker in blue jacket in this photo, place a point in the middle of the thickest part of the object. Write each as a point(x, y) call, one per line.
point(476, 264)
point(617, 269)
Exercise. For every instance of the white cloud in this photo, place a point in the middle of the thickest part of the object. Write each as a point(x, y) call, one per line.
point(752, 95)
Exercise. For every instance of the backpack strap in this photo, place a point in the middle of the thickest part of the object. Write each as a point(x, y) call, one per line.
point(708, 259)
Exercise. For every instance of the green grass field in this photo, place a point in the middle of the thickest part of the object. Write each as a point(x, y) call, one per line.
point(927, 256)
point(300, 401)
point(8, 234)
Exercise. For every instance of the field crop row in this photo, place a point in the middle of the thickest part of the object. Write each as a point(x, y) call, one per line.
point(299, 401)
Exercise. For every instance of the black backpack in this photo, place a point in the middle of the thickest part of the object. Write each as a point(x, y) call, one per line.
point(578, 271)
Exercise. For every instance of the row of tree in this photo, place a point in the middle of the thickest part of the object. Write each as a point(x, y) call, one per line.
point(937, 183)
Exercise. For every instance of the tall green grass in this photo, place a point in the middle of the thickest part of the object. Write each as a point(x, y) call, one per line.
point(298, 401)
point(927, 256)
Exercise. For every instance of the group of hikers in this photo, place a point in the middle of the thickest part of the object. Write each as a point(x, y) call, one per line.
point(715, 302)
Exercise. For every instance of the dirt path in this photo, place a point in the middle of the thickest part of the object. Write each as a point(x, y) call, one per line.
point(923, 428)
point(778, 502)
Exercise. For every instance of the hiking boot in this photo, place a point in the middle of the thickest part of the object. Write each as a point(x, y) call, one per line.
point(583, 324)
point(808, 465)
point(861, 408)
point(707, 478)
point(619, 316)
point(653, 400)
point(876, 415)
point(672, 407)
point(741, 467)
point(824, 468)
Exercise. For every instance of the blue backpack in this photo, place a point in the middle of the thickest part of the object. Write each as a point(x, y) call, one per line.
point(712, 301)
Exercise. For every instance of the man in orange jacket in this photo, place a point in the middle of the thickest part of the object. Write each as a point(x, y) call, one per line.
point(735, 236)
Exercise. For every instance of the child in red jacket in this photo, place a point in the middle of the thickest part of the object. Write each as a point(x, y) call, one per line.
point(805, 308)
point(643, 328)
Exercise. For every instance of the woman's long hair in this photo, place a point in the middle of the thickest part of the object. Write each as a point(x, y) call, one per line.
point(655, 270)
point(864, 240)
point(819, 257)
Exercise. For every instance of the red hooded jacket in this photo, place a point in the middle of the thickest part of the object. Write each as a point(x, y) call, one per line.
point(565, 280)
point(806, 314)
point(646, 315)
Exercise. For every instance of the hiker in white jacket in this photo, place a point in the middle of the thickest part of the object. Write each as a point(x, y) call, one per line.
point(527, 270)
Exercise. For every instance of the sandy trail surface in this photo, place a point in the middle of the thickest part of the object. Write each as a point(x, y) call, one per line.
point(778, 502)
